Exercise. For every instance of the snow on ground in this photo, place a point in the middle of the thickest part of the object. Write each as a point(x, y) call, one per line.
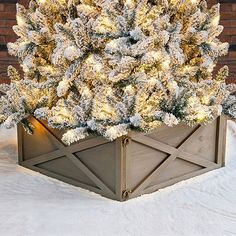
point(34, 205)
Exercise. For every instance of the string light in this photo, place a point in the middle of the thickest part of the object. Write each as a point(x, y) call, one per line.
point(174, 1)
point(97, 67)
point(126, 58)
point(113, 44)
point(205, 100)
point(20, 21)
point(90, 59)
point(105, 24)
point(130, 3)
point(41, 1)
point(86, 91)
point(129, 88)
point(194, 1)
point(165, 64)
point(215, 21)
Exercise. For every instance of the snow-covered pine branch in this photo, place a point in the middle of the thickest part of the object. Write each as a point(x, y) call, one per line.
point(109, 66)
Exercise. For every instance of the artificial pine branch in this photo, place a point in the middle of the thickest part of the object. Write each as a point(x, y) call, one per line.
point(108, 66)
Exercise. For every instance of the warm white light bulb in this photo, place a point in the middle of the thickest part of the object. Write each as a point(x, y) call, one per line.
point(215, 21)
point(86, 91)
point(129, 88)
point(90, 59)
point(205, 100)
point(129, 3)
point(41, 1)
point(113, 44)
point(201, 115)
point(20, 21)
point(166, 64)
point(98, 67)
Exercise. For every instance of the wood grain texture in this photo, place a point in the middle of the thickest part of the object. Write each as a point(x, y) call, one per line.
point(129, 166)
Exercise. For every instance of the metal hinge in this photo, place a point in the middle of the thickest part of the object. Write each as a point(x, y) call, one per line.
point(125, 141)
point(126, 194)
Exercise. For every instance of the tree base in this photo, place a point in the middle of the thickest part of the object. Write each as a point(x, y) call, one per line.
point(129, 166)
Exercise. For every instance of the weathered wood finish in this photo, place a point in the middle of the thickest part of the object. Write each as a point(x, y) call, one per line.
point(130, 166)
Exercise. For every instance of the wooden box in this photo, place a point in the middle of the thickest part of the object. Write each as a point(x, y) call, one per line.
point(130, 166)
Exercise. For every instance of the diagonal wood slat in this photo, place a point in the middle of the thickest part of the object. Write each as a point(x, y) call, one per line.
point(60, 177)
point(154, 144)
point(62, 148)
point(159, 169)
point(117, 169)
point(171, 150)
point(196, 159)
point(180, 178)
point(46, 157)
point(89, 173)
point(62, 151)
point(93, 142)
point(67, 151)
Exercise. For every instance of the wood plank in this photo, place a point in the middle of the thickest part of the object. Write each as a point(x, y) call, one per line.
point(64, 151)
point(46, 157)
point(221, 140)
point(87, 144)
point(20, 143)
point(155, 177)
point(171, 150)
point(175, 180)
point(68, 152)
point(89, 173)
point(154, 144)
point(158, 170)
point(77, 147)
point(196, 159)
point(120, 168)
point(62, 178)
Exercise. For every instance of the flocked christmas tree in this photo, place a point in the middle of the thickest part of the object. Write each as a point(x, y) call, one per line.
point(108, 66)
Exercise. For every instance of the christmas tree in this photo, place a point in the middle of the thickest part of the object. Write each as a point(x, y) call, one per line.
point(109, 66)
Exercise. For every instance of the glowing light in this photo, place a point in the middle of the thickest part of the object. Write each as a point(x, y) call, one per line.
point(113, 44)
point(109, 91)
point(40, 129)
point(106, 25)
point(25, 69)
point(194, 1)
point(201, 116)
point(86, 91)
point(152, 81)
point(188, 69)
point(155, 55)
point(41, 1)
point(205, 99)
point(210, 68)
point(49, 68)
point(98, 67)
point(174, 1)
point(129, 3)
point(20, 21)
point(90, 59)
point(166, 64)
point(215, 21)
point(129, 88)
point(192, 101)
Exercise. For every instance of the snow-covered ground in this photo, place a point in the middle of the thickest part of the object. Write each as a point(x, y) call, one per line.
point(32, 204)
